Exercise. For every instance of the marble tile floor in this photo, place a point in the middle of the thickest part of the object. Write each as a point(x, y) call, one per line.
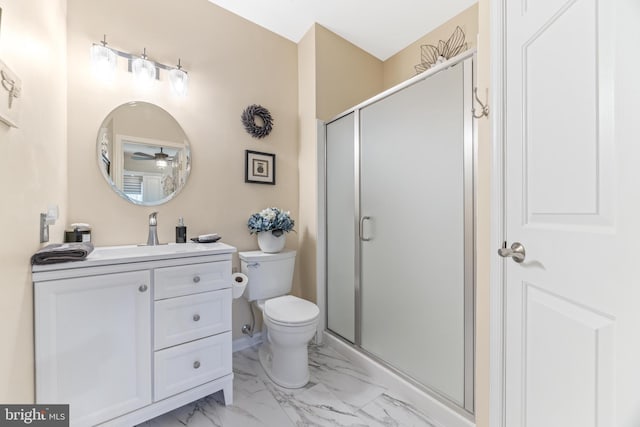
point(338, 394)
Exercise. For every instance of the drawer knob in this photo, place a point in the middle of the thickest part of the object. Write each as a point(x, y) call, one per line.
point(196, 364)
point(196, 279)
point(196, 317)
point(143, 288)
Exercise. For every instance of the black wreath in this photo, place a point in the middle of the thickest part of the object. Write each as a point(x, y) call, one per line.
point(249, 123)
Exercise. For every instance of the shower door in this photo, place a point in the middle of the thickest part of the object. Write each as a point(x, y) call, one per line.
point(400, 231)
point(413, 231)
point(340, 228)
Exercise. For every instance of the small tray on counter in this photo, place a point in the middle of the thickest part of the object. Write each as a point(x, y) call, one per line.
point(206, 238)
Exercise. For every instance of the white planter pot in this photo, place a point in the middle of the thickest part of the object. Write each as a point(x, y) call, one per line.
point(269, 243)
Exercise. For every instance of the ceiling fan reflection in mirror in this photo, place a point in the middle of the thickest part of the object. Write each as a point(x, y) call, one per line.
point(161, 158)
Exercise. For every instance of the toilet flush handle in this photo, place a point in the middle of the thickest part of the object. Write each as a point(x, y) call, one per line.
point(253, 265)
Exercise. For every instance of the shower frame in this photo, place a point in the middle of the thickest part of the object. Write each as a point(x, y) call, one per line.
point(467, 60)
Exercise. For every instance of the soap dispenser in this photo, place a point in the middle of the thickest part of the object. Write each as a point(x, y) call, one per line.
point(181, 231)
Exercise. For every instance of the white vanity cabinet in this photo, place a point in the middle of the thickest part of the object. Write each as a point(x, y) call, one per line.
point(129, 334)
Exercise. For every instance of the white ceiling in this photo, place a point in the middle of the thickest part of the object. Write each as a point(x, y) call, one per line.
point(380, 27)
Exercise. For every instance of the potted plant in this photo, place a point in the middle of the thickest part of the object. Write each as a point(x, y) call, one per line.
point(270, 224)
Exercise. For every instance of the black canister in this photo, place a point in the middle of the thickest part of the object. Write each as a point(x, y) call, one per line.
point(78, 233)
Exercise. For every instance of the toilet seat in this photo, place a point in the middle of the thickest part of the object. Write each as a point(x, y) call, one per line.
point(288, 310)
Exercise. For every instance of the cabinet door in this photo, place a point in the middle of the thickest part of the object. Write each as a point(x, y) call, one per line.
point(93, 344)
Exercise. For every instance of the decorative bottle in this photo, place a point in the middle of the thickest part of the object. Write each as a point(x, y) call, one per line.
point(181, 231)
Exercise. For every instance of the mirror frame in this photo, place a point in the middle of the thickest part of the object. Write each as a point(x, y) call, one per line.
point(110, 181)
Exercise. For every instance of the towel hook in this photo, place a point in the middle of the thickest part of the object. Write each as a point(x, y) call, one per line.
point(485, 108)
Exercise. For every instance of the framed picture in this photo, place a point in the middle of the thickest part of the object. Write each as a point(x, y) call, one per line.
point(259, 168)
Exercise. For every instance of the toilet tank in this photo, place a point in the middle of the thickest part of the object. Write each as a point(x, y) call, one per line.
point(270, 275)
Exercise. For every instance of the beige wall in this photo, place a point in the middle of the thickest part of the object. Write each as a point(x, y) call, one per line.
point(232, 64)
point(34, 165)
point(345, 74)
point(307, 164)
point(333, 76)
point(400, 66)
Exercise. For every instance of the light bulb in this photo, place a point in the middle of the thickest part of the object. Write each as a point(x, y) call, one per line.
point(161, 163)
point(179, 80)
point(144, 71)
point(103, 61)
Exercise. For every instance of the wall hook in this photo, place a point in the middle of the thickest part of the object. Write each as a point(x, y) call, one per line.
point(485, 108)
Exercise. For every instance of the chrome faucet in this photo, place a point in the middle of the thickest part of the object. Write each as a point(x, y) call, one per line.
point(153, 229)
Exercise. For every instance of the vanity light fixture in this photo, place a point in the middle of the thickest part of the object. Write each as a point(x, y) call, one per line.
point(144, 71)
point(179, 80)
point(103, 59)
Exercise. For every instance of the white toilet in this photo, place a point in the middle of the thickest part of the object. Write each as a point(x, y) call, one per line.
point(289, 322)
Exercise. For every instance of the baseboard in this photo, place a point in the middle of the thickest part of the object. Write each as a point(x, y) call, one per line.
point(247, 341)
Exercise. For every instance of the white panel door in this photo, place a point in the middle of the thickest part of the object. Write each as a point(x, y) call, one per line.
point(572, 331)
point(152, 188)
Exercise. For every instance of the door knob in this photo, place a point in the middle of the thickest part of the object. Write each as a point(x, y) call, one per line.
point(516, 251)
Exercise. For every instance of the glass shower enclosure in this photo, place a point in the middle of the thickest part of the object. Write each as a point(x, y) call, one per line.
point(399, 211)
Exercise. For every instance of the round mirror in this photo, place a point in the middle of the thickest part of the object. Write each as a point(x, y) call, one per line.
point(143, 153)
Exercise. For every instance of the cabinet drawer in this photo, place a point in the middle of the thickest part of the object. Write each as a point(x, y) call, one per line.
point(188, 318)
point(191, 279)
point(188, 365)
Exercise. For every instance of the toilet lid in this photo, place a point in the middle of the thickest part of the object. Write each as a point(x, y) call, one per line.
point(290, 309)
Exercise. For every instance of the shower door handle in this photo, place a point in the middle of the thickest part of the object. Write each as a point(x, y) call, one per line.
point(362, 220)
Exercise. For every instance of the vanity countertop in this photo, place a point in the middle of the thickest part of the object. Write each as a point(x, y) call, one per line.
point(108, 255)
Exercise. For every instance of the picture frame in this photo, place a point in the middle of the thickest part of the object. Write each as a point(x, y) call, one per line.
point(259, 168)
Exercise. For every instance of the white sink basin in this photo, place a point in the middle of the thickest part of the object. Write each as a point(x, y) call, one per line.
point(137, 251)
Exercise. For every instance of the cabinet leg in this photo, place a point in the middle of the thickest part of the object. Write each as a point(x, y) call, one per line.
point(227, 390)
